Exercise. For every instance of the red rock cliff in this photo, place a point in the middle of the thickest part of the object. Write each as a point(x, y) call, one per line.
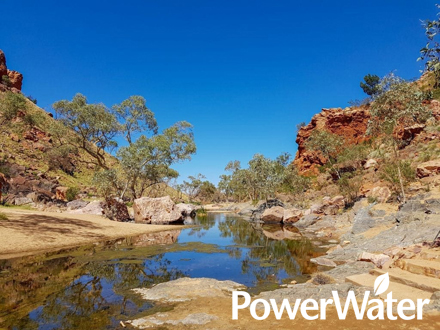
point(350, 123)
point(15, 78)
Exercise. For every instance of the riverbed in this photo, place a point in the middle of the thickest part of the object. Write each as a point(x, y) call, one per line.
point(90, 287)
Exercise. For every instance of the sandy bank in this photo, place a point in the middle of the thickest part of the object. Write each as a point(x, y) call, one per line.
point(27, 232)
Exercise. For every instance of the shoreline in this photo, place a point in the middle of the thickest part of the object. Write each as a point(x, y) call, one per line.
point(29, 232)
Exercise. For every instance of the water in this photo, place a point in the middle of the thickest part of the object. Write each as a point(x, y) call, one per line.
point(90, 287)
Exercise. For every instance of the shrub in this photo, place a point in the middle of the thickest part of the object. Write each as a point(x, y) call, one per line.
point(3, 216)
point(10, 105)
point(71, 193)
point(6, 81)
point(390, 172)
point(349, 186)
point(321, 279)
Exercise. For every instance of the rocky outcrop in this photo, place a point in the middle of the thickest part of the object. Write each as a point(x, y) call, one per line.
point(273, 215)
point(3, 67)
point(350, 123)
point(428, 168)
point(61, 193)
point(292, 215)
point(159, 210)
point(115, 210)
point(14, 78)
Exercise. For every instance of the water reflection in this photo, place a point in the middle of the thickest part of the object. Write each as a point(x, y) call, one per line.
point(90, 287)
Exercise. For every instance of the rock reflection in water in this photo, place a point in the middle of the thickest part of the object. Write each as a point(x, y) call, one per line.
point(165, 237)
point(279, 232)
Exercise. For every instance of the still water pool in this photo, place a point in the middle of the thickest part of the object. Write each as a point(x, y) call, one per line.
point(90, 287)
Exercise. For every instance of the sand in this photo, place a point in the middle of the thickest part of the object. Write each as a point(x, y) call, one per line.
point(28, 232)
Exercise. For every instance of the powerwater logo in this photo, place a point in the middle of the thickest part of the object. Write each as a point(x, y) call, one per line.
point(311, 309)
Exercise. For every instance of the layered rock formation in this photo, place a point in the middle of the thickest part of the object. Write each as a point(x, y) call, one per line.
point(350, 123)
point(15, 79)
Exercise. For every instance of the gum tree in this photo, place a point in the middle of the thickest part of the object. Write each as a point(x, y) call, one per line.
point(398, 105)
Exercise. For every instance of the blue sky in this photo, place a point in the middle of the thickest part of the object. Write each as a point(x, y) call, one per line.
point(244, 73)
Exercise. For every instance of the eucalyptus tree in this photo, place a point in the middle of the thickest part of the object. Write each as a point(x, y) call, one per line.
point(95, 127)
point(148, 155)
point(431, 52)
point(398, 105)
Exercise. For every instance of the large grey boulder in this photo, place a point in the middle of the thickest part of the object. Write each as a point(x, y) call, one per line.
point(161, 210)
point(77, 204)
point(22, 201)
point(91, 208)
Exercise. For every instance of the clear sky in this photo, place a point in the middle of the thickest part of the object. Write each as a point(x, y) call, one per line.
point(244, 73)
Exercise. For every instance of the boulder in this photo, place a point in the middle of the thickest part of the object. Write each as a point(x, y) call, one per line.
point(292, 215)
point(187, 210)
point(161, 210)
point(22, 200)
point(377, 259)
point(274, 214)
point(370, 163)
point(428, 168)
point(258, 212)
point(306, 221)
point(61, 193)
point(77, 204)
point(91, 208)
point(323, 262)
point(115, 210)
point(381, 194)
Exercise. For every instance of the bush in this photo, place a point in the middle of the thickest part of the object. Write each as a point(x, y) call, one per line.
point(349, 186)
point(11, 104)
point(6, 81)
point(390, 172)
point(60, 158)
point(3, 216)
point(71, 193)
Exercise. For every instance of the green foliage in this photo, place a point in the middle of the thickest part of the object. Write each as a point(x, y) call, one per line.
point(294, 182)
point(94, 125)
point(431, 52)
point(353, 155)
point(349, 185)
point(146, 161)
point(398, 104)
point(60, 158)
point(6, 80)
point(371, 84)
point(390, 172)
point(32, 99)
point(3, 216)
point(260, 180)
point(10, 105)
point(71, 193)
point(192, 188)
point(134, 116)
point(105, 182)
point(327, 144)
